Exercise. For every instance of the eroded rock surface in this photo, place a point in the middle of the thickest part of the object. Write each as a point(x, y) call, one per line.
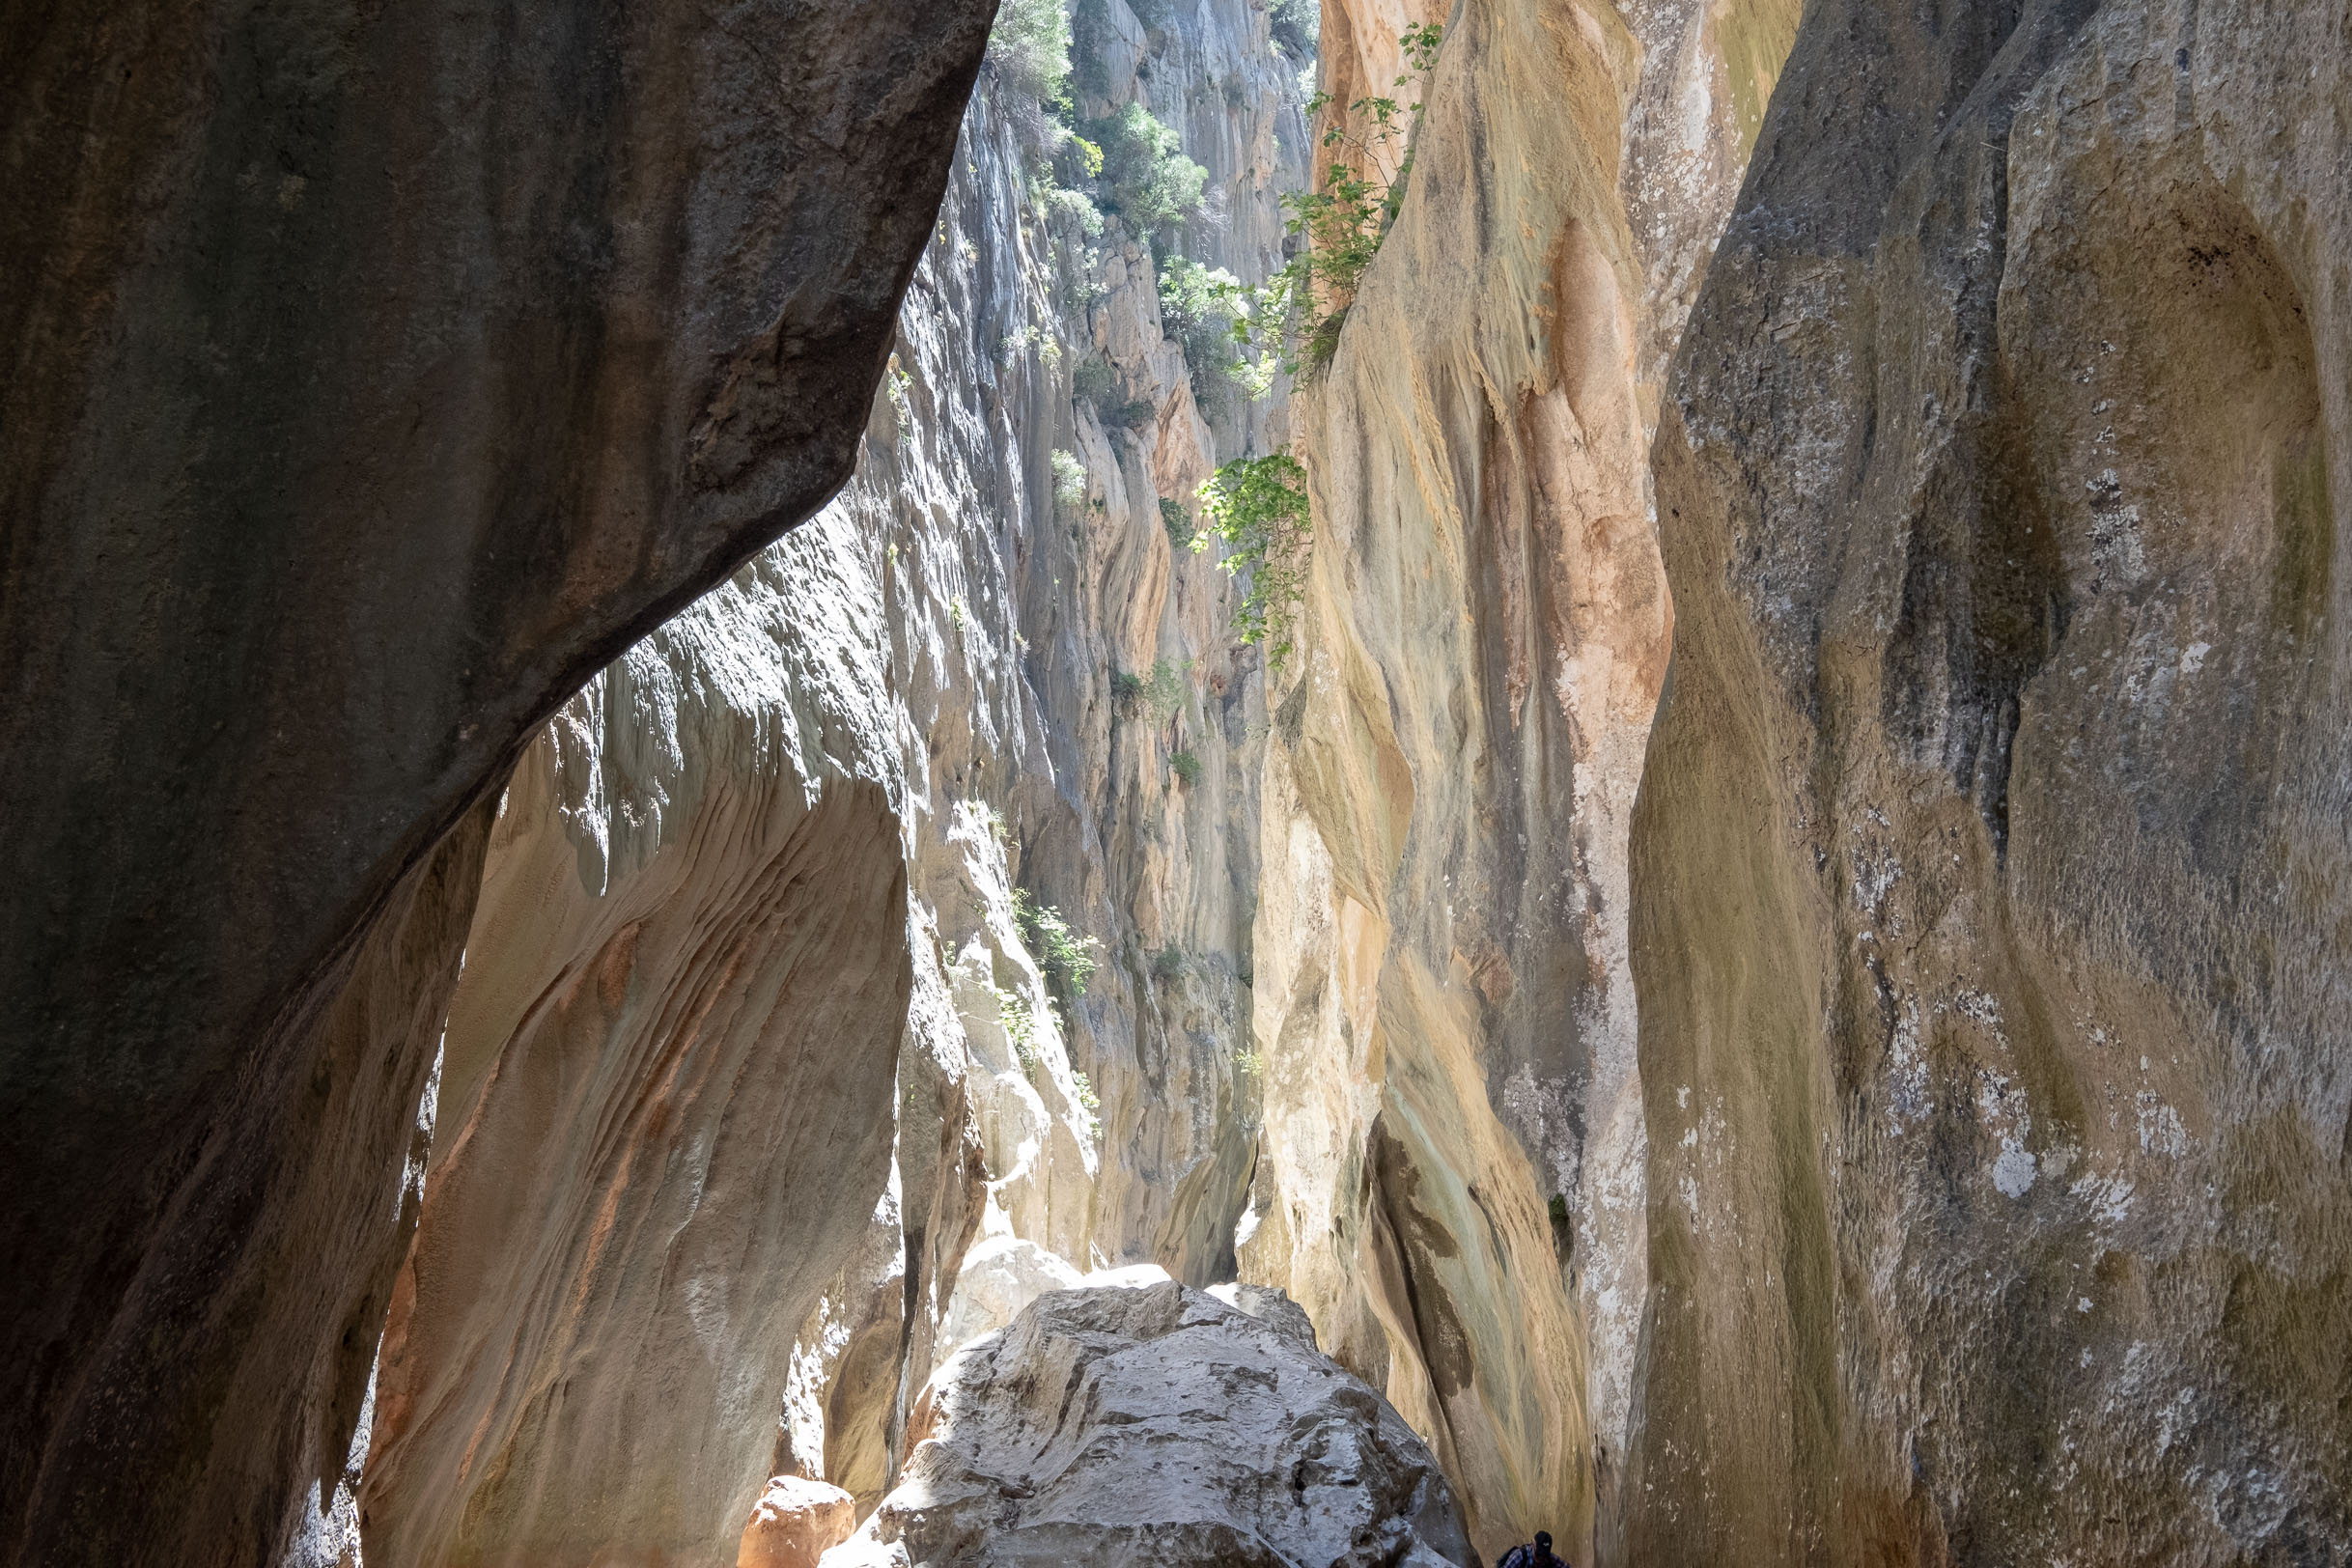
point(1453, 1179)
point(1991, 869)
point(1158, 1425)
point(374, 374)
point(754, 1042)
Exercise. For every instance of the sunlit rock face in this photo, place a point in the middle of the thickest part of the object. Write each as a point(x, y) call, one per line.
point(754, 1044)
point(666, 1093)
point(1991, 878)
point(1158, 1425)
point(1453, 1177)
point(375, 374)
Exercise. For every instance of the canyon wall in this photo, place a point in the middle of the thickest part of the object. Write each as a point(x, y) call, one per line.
point(1768, 968)
point(781, 1062)
point(1990, 870)
point(374, 374)
point(1455, 1172)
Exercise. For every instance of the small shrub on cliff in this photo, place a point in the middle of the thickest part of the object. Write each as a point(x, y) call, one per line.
point(1150, 183)
point(1303, 307)
point(1185, 765)
point(1067, 957)
point(1020, 1023)
point(1068, 477)
point(1197, 306)
point(1158, 695)
point(1169, 963)
point(1095, 381)
point(1166, 691)
point(1028, 49)
point(1297, 26)
point(1177, 522)
point(1256, 507)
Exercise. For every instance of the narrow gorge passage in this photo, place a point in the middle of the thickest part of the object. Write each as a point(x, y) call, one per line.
point(1183, 781)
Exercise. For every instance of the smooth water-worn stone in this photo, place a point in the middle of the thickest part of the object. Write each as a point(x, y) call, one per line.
point(1991, 880)
point(1452, 1178)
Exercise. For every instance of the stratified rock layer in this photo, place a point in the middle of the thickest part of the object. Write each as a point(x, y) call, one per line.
point(374, 374)
point(1993, 894)
point(1158, 1425)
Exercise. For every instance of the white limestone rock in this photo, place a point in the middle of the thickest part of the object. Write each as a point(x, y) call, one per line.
point(1157, 1425)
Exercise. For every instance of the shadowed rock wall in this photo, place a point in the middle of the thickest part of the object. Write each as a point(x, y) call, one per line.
point(375, 374)
point(1990, 868)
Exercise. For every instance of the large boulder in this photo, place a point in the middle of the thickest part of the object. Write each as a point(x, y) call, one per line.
point(1158, 1425)
point(796, 1521)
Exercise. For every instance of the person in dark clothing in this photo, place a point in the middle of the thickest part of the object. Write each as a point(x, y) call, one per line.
point(1536, 1555)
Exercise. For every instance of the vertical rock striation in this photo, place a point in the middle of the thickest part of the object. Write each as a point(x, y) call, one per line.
point(1991, 864)
point(764, 1024)
point(374, 374)
point(1453, 1177)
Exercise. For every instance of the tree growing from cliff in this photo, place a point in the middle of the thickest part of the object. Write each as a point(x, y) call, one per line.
point(1068, 956)
point(1256, 507)
point(1196, 309)
point(1147, 179)
point(1301, 308)
point(1028, 49)
point(1295, 26)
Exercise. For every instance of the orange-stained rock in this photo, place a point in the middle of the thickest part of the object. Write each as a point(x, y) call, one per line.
point(796, 1523)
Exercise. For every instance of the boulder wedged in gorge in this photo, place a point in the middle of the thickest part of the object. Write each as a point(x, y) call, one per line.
point(374, 374)
point(1158, 1425)
point(1991, 875)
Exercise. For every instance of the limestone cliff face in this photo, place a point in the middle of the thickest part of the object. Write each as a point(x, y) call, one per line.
point(761, 1088)
point(374, 374)
point(1990, 873)
point(1453, 1179)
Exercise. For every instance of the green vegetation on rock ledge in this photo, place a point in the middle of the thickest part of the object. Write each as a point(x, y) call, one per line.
point(1160, 694)
point(1148, 180)
point(1198, 308)
point(1067, 957)
point(1301, 308)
